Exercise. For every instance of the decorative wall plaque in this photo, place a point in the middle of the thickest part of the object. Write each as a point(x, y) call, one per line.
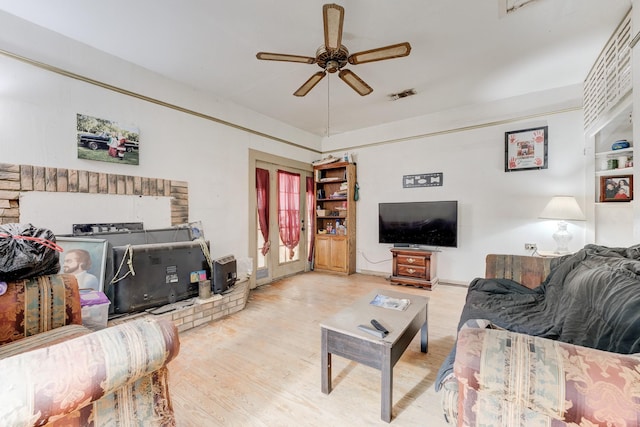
point(422, 180)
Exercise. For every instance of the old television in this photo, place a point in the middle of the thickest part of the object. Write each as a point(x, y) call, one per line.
point(418, 224)
point(162, 275)
point(224, 274)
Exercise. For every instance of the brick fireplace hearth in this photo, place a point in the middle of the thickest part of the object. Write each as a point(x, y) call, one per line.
point(194, 312)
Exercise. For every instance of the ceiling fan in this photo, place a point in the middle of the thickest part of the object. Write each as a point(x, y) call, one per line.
point(333, 56)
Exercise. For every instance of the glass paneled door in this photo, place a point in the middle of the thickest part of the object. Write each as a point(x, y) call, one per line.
point(281, 216)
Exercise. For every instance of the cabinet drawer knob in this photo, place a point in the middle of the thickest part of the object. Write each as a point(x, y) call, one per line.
point(411, 261)
point(410, 270)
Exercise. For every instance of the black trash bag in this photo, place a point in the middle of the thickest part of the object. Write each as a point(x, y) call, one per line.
point(27, 251)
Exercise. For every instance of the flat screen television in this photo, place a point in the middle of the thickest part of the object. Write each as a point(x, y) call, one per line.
point(162, 275)
point(417, 224)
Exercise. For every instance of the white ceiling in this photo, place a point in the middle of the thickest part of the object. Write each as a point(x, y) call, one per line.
point(463, 51)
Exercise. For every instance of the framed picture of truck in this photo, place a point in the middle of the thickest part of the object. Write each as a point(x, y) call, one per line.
point(107, 141)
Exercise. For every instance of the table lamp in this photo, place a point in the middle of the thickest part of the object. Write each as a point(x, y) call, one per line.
point(563, 208)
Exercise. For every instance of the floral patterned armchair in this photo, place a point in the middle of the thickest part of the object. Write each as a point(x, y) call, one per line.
point(56, 372)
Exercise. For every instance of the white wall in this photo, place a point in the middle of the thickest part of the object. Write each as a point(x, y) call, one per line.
point(38, 127)
point(497, 210)
point(36, 207)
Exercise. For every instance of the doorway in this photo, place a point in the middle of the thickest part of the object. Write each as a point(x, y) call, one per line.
point(279, 235)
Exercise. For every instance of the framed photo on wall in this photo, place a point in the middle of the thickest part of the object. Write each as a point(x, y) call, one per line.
point(526, 149)
point(616, 188)
point(84, 258)
point(107, 140)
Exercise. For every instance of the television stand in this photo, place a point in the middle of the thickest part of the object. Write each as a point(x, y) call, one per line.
point(414, 267)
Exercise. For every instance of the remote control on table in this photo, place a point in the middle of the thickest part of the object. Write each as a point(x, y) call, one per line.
point(370, 330)
point(379, 327)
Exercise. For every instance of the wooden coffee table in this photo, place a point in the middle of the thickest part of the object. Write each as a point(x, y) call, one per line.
point(341, 336)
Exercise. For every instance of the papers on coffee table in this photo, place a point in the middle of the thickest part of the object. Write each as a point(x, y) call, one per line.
point(390, 302)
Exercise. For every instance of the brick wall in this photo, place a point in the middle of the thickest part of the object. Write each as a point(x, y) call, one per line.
point(16, 179)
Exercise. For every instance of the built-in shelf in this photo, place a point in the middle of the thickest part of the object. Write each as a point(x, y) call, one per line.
point(614, 153)
point(619, 171)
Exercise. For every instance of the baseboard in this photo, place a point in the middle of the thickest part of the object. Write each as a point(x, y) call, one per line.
point(453, 283)
point(374, 273)
point(440, 282)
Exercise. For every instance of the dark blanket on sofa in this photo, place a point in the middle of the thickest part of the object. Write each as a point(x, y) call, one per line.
point(590, 298)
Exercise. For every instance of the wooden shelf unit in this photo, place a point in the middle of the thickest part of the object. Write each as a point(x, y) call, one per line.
point(335, 243)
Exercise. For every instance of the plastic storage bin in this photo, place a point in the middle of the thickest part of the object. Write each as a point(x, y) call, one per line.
point(95, 309)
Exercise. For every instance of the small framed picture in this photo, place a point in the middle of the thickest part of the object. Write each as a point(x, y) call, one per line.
point(616, 188)
point(84, 258)
point(526, 149)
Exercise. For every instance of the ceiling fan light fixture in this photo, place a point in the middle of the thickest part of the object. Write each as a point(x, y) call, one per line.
point(333, 56)
point(331, 61)
point(356, 83)
point(332, 66)
point(309, 84)
point(388, 52)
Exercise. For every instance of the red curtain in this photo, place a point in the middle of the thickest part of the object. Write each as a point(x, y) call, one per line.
point(289, 210)
point(311, 218)
point(262, 191)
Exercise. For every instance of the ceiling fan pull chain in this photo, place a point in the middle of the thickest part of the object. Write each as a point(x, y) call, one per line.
point(328, 106)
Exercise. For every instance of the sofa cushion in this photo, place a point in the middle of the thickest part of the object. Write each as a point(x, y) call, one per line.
point(504, 374)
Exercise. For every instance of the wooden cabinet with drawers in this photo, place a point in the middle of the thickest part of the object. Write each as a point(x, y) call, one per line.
point(414, 267)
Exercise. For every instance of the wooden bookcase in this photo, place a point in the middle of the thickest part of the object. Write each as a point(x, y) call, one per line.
point(335, 227)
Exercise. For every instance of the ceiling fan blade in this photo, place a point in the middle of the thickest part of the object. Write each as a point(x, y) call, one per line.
point(388, 52)
point(309, 84)
point(284, 57)
point(333, 18)
point(356, 83)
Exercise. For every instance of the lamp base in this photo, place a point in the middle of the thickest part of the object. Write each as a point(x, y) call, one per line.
point(562, 238)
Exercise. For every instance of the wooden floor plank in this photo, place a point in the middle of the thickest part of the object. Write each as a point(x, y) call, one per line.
point(261, 366)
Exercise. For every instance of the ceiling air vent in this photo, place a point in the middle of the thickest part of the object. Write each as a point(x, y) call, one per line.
point(403, 94)
point(509, 6)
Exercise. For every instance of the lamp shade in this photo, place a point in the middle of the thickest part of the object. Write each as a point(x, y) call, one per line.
point(564, 208)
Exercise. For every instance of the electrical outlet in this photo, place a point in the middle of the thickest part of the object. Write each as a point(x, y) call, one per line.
point(530, 246)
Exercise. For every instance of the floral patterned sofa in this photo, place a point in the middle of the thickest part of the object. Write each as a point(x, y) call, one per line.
point(517, 380)
point(505, 378)
point(56, 372)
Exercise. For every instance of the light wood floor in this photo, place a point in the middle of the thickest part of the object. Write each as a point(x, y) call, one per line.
point(261, 366)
